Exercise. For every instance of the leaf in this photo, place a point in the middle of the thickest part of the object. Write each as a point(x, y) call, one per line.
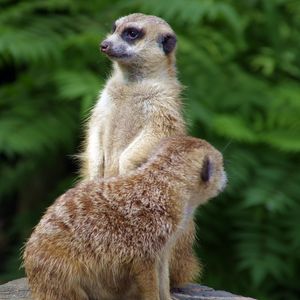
point(233, 127)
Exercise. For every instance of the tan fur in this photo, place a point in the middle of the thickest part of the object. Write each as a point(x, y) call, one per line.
point(139, 105)
point(110, 238)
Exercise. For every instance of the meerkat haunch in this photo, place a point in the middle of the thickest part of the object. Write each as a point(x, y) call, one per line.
point(139, 105)
point(111, 238)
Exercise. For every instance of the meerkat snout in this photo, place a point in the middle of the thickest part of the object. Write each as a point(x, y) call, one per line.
point(105, 46)
point(140, 37)
point(223, 181)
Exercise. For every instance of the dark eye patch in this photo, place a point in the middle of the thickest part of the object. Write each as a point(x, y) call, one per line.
point(206, 170)
point(131, 34)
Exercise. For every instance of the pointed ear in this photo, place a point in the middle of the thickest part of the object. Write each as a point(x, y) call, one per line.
point(206, 170)
point(167, 42)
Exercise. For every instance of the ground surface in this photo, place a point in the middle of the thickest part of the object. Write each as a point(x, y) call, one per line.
point(18, 290)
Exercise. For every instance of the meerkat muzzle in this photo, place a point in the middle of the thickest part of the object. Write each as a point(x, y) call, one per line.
point(105, 46)
point(114, 50)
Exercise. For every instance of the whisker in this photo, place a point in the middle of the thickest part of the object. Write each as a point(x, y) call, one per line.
point(226, 146)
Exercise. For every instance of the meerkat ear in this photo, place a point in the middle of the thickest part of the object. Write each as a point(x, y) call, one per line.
point(206, 170)
point(168, 42)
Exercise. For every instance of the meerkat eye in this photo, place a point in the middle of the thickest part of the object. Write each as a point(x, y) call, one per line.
point(206, 170)
point(131, 34)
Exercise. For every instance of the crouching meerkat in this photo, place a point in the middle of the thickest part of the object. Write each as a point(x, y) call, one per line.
point(139, 105)
point(109, 239)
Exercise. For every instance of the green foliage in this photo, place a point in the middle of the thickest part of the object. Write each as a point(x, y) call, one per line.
point(240, 62)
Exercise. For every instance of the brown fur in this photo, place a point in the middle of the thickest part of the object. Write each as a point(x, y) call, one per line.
point(139, 105)
point(111, 238)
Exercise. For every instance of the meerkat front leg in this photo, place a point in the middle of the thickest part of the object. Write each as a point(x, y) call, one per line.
point(184, 266)
point(137, 152)
point(94, 165)
point(164, 278)
point(147, 280)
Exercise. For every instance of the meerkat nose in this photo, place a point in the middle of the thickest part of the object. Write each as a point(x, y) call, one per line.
point(105, 46)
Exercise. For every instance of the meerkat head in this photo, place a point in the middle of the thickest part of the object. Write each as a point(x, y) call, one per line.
point(140, 40)
point(197, 164)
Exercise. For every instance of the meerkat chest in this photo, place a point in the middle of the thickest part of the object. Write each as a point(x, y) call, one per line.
point(125, 113)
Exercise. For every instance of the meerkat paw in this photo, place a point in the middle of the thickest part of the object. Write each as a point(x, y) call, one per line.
point(126, 165)
point(125, 168)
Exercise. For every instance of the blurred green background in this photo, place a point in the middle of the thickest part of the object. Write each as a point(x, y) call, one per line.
point(240, 63)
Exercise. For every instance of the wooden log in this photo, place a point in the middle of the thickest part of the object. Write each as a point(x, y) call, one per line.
point(18, 290)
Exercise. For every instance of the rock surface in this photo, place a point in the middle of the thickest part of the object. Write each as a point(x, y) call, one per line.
point(18, 290)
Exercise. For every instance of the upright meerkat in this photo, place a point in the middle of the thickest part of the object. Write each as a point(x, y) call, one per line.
point(139, 105)
point(109, 239)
